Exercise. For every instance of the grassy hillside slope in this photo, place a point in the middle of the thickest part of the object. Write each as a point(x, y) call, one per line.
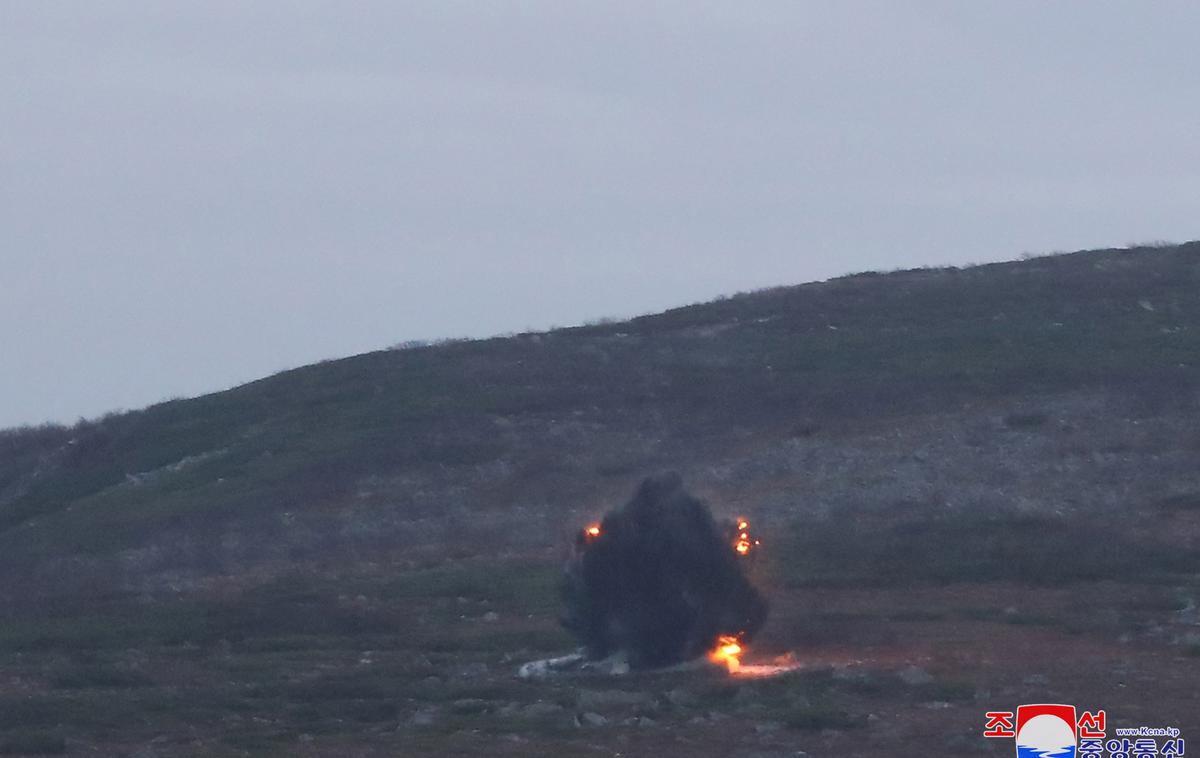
point(859, 346)
point(899, 436)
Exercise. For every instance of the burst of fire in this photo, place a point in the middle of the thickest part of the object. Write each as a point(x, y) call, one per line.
point(726, 653)
point(744, 544)
point(593, 530)
point(729, 647)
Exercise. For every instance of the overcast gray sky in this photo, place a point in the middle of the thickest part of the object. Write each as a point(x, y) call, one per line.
point(194, 195)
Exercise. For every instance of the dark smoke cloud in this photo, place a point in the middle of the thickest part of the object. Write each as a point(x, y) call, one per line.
point(661, 581)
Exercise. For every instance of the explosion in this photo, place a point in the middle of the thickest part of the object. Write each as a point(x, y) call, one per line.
point(726, 653)
point(743, 544)
point(661, 583)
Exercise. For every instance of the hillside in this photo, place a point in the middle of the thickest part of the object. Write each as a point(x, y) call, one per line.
point(947, 461)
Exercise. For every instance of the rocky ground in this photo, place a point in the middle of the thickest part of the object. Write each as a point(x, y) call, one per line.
point(921, 571)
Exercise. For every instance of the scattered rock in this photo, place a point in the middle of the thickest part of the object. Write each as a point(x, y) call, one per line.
point(424, 717)
point(491, 617)
point(550, 666)
point(468, 705)
point(591, 719)
point(915, 677)
point(851, 674)
point(639, 721)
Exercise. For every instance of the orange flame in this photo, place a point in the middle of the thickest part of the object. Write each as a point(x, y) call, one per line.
point(726, 652)
point(744, 544)
point(593, 530)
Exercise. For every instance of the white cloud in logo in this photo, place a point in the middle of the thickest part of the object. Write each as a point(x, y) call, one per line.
point(1046, 733)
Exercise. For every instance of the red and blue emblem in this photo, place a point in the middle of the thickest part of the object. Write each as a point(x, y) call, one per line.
point(1045, 731)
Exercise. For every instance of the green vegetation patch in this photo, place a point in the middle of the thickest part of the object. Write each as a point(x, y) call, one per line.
point(973, 547)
